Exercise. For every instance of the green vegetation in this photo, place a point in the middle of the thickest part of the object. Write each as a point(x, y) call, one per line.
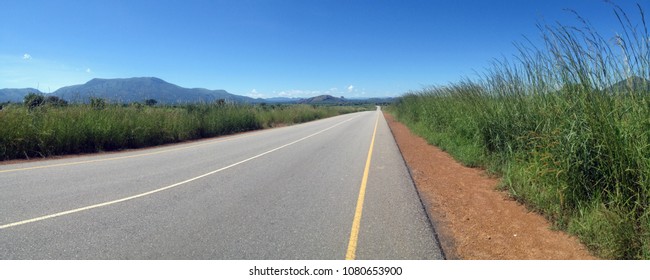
point(567, 126)
point(40, 129)
point(34, 100)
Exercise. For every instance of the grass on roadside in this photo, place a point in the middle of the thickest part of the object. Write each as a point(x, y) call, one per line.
point(85, 128)
point(567, 126)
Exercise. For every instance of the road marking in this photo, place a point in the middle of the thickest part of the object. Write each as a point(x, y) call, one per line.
point(125, 157)
point(167, 187)
point(356, 223)
point(227, 138)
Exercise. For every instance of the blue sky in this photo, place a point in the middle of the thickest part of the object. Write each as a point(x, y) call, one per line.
point(263, 48)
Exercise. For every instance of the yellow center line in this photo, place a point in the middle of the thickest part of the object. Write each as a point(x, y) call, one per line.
point(68, 212)
point(356, 223)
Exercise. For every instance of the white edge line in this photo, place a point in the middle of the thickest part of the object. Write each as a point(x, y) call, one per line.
point(154, 151)
point(59, 214)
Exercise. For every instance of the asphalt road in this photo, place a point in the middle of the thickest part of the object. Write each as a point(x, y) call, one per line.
point(284, 193)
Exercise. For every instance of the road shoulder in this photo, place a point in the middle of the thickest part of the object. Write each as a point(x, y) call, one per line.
point(472, 218)
point(394, 224)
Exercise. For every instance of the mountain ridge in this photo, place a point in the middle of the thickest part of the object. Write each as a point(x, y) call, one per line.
point(16, 94)
point(138, 89)
point(322, 99)
point(634, 83)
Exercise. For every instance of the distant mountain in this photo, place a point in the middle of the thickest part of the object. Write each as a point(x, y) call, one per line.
point(634, 83)
point(281, 100)
point(322, 99)
point(374, 100)
point(16, 95)
point(140, 89)
point(331, 100)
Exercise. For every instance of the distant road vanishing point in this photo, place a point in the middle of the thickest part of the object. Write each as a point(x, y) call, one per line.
point(330, 189)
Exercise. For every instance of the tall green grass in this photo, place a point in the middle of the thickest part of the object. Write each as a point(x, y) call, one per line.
point(56, 130)
point(567, 124)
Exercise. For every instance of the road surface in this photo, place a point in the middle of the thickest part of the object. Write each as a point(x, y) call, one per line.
point(310, 191)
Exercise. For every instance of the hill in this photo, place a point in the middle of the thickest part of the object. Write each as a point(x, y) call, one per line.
point(331, 100)
point(634, 83)
point(130, 90)
point(15, 95)
point(322, 99)
point(140, 89)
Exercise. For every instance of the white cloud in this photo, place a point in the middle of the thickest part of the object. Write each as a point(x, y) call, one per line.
point(255, 94)
point(332, 91)
point(27, 56)
point(299, 93)
point(88, 70)
point(347, 91)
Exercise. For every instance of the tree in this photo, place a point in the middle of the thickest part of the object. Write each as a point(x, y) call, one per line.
point(97, 103)
point(150, 102)
point(33, 100)
point(55, 101)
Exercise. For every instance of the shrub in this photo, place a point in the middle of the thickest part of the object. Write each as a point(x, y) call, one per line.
point(97, 103)
point(33, 100)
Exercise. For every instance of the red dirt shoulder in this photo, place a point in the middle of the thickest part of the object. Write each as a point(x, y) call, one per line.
point(472, 218)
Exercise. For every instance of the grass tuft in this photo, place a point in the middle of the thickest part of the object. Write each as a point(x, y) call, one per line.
point(41, 131)
point(567, 125)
